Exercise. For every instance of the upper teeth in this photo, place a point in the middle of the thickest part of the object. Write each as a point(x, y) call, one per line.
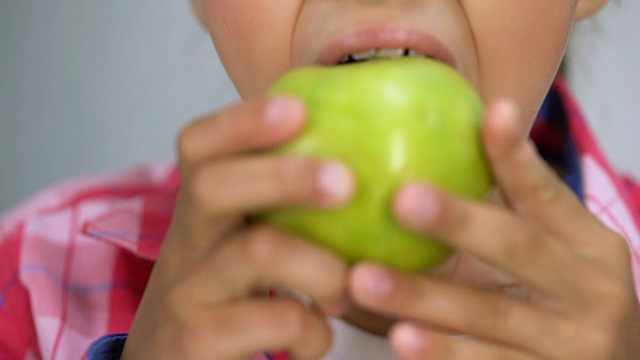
point(379, 53)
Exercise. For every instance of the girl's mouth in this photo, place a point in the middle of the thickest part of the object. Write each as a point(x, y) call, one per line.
point(384, 43)
point(380, 53)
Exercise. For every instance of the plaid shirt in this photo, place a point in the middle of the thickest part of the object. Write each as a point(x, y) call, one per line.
point(76, 258)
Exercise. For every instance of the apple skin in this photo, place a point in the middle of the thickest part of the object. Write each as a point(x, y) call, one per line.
point(390, 121)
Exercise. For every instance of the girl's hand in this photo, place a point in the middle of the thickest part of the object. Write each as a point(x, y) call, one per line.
point(206, 297)
point(564, 288)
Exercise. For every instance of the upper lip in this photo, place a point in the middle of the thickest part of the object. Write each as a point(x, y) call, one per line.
point(385, 38)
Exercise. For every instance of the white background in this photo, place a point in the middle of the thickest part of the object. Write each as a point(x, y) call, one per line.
point(91, 86)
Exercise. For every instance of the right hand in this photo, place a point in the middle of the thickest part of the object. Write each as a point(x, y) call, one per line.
point(202, 300)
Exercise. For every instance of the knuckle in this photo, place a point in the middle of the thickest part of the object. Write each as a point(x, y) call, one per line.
point(185, 144)
point(544, 189)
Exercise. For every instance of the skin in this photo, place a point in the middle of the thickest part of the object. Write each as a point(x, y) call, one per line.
point(536, 276)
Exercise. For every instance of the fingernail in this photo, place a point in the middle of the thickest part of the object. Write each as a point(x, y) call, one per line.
point(377, 281)
point(411, 338)
point(335, 182)
point(508, 115)
point(284, 109)
point(419, 204)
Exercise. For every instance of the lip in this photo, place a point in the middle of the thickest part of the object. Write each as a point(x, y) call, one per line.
point(388, 37)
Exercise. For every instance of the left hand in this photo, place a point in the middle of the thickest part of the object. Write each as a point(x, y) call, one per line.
point(565, 289)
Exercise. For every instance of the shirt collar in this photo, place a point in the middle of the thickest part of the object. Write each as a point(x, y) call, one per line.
point(552, 134)
point(136, 216)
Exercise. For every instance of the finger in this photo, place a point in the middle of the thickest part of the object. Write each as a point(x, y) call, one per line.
point(245, 328)
point(488, 315)
point(255, 183)
point(411, 342)
point(250, 125)
point(492, 234)
point(529, 184)
point(264, 257)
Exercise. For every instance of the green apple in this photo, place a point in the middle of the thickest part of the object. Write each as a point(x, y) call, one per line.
point(391, 121)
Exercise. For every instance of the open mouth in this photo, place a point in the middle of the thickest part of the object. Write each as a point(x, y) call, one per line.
point(380, 53)
point(388, 42)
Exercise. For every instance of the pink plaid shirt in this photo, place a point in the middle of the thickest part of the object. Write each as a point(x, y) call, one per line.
point(76, 258)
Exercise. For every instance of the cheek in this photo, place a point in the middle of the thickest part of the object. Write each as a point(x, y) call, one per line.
point(253, 40)
point(520, 47)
